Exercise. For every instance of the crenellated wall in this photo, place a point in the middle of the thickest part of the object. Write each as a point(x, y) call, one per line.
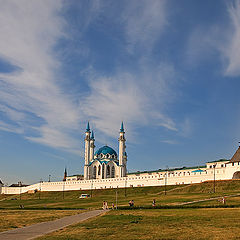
point(174, 177)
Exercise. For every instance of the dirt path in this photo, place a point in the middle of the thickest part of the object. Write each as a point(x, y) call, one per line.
point(208, 199)
point(39, 229)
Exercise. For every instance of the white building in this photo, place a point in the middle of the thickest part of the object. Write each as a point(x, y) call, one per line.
point(104, 163)
point(105, 169)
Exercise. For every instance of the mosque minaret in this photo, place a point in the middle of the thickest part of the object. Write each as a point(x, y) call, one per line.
point(105, 168)
point(87, 152)
point(104, 163)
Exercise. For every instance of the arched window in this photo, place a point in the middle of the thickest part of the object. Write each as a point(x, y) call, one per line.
point(108, 171)
point(113, 172)
point(99, 170)
point(108, 156)
point(113, 156)
point(94, 172)
point(101, 155)
point(103, 169)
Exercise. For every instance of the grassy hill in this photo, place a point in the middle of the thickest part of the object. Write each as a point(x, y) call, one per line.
point(142, 196)
point(182, 223)
point(149, 224)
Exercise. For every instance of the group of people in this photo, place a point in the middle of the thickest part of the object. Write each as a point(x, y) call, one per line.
point(105, 205)
point(131, 204)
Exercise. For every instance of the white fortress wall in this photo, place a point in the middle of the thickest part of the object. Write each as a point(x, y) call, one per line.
point(96, 175)
point(183, 176)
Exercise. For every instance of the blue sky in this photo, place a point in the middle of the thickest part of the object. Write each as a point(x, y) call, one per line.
point(168, 69)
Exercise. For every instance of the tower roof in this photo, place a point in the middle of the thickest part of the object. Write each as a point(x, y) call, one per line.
point(92, 135)
point(122, 128)
point(88, 127)
point(236, 156)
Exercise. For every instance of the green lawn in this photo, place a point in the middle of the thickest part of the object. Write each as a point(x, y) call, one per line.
point(204, 223)
point(71, 198)
point(156, 224)
point(142, 196)
point(10, 219)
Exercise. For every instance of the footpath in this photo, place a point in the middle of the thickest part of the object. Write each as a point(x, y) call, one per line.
point(40, 229)
point(208, 199)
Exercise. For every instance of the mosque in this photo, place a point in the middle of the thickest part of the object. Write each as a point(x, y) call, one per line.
point(105, 168)
point(104, 163)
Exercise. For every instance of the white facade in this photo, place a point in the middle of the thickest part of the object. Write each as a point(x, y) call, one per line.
point(158, 178)
point(99, 173)
point(104, 163)
point(74, 178)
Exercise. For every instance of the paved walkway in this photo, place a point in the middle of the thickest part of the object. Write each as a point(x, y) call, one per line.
point(40, 229)
point(208, 199)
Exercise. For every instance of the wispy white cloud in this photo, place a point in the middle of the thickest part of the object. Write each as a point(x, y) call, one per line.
point(10, 128)
point(29, 31)
point(138, 100)
point(186, 128)
point(12, 113)
point(201, 45)
point(172, 142)
point(113, 100)
point(144, 22)
point(231, 50)
point(220, 38)
point(32, 96)
point(138, 97)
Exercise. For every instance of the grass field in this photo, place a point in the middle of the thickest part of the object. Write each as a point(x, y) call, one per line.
point(71, 198)
point(162, 223)
point(156, 224)
point(142, 196)
point(10, 219)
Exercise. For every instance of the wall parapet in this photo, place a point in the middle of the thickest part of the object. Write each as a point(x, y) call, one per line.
point(168, 178)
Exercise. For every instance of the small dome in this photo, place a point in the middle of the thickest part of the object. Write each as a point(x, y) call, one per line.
point(105, 150)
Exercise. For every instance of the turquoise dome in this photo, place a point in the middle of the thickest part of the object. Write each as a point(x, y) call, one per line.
point(105, 150)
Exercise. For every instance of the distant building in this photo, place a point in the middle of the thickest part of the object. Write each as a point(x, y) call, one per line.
point(235, 161)
point(74, 178)
point(107, 169)
point(104, 163)
point(18, 185)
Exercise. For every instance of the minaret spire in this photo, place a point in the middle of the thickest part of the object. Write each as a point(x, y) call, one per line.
point(92, 146)
point(87, 151)
point(122, 150)
point(92, 135)
point(65, 174)
point(122, 128)
point(88, 127)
